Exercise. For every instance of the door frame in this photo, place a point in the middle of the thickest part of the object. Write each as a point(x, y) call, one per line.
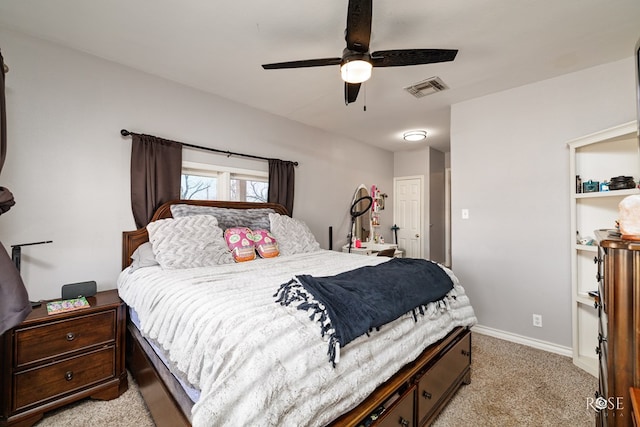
point(447, 217)
point(421, 213)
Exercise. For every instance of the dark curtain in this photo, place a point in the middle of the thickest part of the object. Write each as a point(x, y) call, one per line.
point(281, 183)
point(14, 301)
point(6, 198)
point(156, 167)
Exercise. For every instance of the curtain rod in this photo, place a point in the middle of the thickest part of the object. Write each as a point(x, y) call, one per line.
point(125, 132)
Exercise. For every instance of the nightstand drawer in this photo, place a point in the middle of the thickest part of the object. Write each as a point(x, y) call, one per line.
point(64, 336)
point(51, 381)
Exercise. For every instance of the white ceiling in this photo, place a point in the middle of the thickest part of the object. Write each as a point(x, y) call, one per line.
point(218, 47)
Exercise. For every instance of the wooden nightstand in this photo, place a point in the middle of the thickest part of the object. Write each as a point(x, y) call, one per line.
point(52, 360)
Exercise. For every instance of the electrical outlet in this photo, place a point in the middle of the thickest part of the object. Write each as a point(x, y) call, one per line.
point(537, 320)
point(465, 213)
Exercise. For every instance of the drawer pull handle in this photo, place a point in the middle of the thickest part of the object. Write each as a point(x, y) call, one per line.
point(426, 394)
point(71, 336)
point(68, 375)
point(403, 422)
point(466, 353)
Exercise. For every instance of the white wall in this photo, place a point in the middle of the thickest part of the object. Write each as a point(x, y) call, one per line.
point(510, 168)
point(68, 166)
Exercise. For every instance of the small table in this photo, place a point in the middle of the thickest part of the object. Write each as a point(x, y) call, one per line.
point(50, 360)
point(372, 249)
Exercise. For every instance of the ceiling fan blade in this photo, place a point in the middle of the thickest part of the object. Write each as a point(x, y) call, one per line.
point(358, 31)
point(351, 92)
point(402, 57)
point(303, 63)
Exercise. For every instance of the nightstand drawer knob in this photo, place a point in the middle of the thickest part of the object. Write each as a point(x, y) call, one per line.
point(68, 375)
point(71, 336)
point(426, 394)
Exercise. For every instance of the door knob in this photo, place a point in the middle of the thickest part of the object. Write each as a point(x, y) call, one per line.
point(417, 235)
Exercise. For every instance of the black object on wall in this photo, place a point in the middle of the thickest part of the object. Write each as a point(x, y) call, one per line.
point(330, 238)
point(16, 251)
point(16, 255)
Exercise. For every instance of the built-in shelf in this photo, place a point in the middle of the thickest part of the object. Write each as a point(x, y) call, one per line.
point(586, 299)
point(599, 156)
point(587, 248)
point(614, 193)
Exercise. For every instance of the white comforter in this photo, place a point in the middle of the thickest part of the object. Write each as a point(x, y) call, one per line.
point(262, 364)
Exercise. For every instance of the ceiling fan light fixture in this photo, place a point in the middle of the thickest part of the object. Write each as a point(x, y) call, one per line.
point(356, 71)
point(415, 135)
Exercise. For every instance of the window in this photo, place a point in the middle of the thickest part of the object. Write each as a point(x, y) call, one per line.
point(209, 182)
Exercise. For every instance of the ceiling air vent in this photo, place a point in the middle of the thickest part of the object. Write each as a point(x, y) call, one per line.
point(426, 87)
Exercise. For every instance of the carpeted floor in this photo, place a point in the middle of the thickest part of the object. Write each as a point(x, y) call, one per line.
point(516, 385)
point(511, 385)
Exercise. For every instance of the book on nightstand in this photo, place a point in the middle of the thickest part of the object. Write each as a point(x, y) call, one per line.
point(62, 306)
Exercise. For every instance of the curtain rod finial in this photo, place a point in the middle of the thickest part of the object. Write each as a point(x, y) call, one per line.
point(125, 132)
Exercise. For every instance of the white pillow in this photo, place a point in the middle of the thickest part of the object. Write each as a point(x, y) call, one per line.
point(142, 257)
point(193, 241)
point(293, 236)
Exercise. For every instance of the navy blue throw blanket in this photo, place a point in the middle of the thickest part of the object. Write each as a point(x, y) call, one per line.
point(352, 303)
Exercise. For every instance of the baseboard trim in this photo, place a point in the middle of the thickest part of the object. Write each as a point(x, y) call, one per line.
point(520, 339)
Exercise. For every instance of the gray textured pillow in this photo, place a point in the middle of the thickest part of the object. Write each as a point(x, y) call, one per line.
point(227, 217)
point(143, 257)
point(193, 241)
point(293, 236)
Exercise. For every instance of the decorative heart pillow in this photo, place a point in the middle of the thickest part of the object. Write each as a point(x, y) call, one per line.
point(266, 244)
point(240, 242)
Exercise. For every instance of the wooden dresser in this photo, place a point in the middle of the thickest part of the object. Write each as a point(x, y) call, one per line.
point(619, 328)
point(51, 360)
point(635, 405)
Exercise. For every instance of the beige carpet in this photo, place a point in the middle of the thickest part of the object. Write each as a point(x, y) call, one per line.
point(511, 385)
point(516, 385)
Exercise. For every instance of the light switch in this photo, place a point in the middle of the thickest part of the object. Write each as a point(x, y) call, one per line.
point(465, 213)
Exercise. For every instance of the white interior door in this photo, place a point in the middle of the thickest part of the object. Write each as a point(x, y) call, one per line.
point(408, 210)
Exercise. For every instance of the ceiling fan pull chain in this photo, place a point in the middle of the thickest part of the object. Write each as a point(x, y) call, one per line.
point(365, 97)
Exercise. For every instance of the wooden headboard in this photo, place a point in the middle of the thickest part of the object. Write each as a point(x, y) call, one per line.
point(132, 239)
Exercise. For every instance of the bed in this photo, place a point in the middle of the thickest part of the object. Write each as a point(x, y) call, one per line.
point(209, 345)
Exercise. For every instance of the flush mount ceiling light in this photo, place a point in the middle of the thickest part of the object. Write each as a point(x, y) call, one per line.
point(415, 135)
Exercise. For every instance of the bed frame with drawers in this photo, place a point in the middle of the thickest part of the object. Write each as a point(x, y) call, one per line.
point(414, 396)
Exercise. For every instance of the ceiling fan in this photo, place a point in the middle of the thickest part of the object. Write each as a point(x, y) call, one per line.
point(356, 61)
